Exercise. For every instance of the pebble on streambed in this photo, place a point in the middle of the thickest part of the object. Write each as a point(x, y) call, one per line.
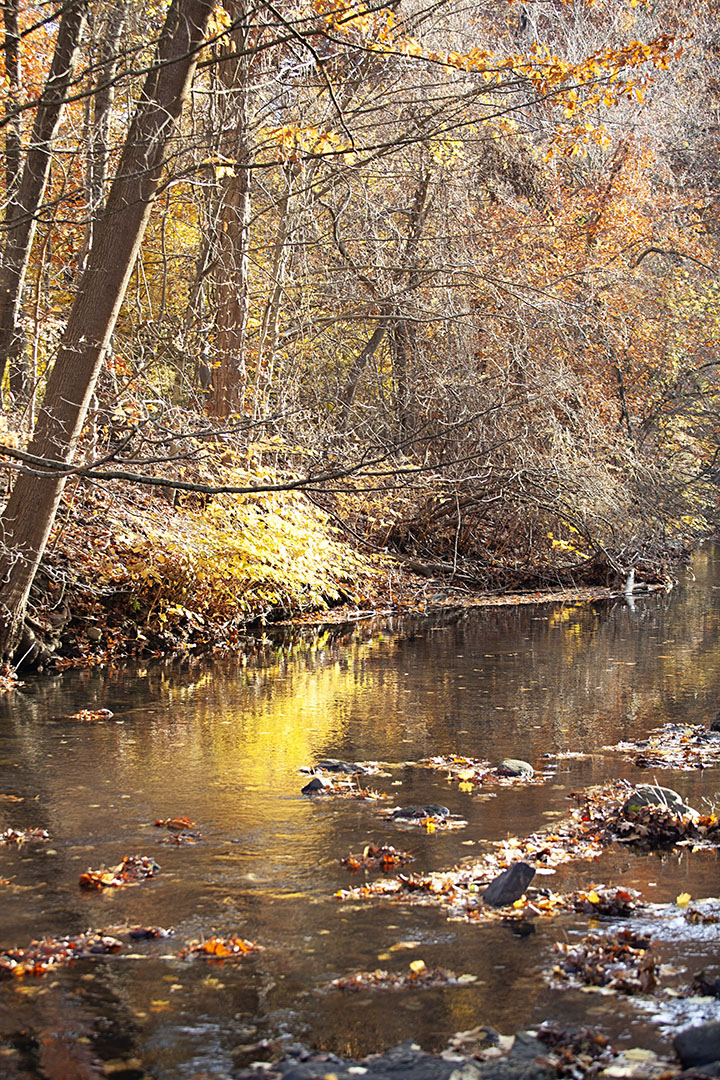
point(484, 1054)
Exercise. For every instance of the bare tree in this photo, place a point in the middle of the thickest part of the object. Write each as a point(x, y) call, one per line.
point(27, 194)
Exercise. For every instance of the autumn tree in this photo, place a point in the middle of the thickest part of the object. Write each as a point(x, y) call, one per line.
point(31, 509)
point(27, 176)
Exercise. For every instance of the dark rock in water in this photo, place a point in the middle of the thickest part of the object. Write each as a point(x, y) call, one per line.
point(330, 764)
point(316, 785)
point(703, 1072)
point(519, 927)
point(509, 886)
point(515, 767)
point(715, 726)
point(417, 813)
point(409, 1062)
point(698, 1045)
point(526, 1046)
point(706, 985)
point(654, 795)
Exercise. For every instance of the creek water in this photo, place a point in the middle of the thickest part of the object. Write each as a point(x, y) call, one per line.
point(222, 742)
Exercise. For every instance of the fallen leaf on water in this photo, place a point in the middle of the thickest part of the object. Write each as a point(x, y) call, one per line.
point(416, 966)
point(683, 899)
point(47, 953)
point(220, 948)
point(131, 871)
point(23, 836)
point(175, 823)
point(88, 715)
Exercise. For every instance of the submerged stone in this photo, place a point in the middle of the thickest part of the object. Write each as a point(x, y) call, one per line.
point(698, 1045)
point(515, 767)
point(409, 1062)
point(414, 813)
point(509, 886)
point(337, 766)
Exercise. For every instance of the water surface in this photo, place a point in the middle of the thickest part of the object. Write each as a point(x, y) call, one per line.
point(222, 742)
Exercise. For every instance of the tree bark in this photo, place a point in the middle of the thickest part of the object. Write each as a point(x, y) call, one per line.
point(232, 296)
point(98, 134)
point(21, 217)
point(31, 510)
point(357, 367)
point(13, 141)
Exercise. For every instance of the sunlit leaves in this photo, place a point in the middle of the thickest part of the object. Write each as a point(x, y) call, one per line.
point(131, 871)
point(48, 953)
point(218, 948)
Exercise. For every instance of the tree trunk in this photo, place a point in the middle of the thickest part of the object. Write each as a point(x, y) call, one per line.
point(267, 341)
point(357, 367)
point(31, 510)
point(13, 140)
point(21, 217)
point(231, 290)
point(404, 333)
point(98, 135)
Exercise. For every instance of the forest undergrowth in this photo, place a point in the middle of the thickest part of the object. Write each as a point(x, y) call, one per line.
point(133, 570)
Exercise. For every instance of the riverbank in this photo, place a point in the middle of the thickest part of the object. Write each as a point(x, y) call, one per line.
point(129, 574)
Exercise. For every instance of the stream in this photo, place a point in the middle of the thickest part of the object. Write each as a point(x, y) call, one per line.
point(222, 741)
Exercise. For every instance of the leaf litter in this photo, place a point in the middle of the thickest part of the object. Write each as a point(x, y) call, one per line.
point(24, 836)
point(673, 746)
point(377, 857)
point(472, 773)
point(598, 821)
point(219, 948)
point(179, 828)
point(48, 953)
point(89, 716)
point(131, 871)
point(622, 962)
point(418, 977)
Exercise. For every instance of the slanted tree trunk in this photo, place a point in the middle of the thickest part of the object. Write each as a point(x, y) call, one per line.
point(21, 217)
point(31, 510)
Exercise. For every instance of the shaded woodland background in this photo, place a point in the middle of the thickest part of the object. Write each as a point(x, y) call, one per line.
point(429, 279)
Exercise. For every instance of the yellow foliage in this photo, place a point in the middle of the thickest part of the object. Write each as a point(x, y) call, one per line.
point(240, 555)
